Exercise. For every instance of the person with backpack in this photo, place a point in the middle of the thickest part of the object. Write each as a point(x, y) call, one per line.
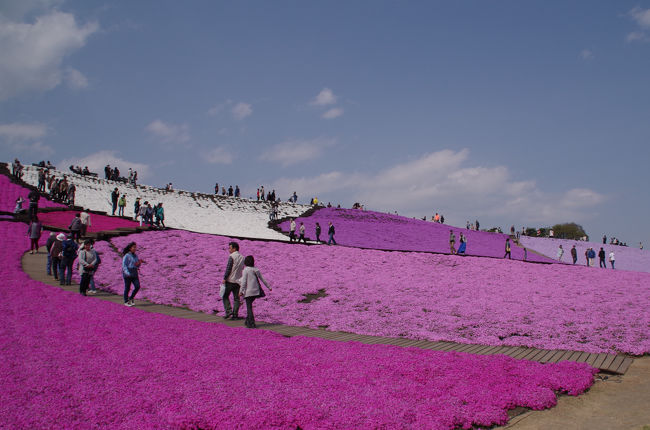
point(68, 254)
point(121, 205)
point(130, 265)
point(75, 228)
point(87, 265)
point(250, 288)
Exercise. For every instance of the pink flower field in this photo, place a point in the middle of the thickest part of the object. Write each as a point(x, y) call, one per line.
point(98, 222)
point(397, 294)
point(376, 230)
point(9, 192)
point(627, 258)
point(76, 362)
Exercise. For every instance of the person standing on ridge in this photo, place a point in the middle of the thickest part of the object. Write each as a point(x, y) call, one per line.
point(115, 195)
point(601, 257)
point(231, 278)
point(612, 259)
point(452, 242)
point(292, 230)
point(331, 232)
point(574, 254)
point(121, 205)
point(560, 253)
point(508, 254)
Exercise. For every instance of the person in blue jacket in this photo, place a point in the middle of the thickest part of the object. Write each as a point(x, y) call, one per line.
point(130, 265)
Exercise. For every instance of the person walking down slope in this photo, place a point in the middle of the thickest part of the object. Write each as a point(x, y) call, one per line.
point(330, 233)
point(251, 288)
point(231, 279)
point(560, 253)
point(34, 233)
point(130, 265)
point(574, 254)
point(612, 259)
point(508, 254)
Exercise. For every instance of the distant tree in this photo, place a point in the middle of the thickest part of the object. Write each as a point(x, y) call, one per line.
point(569, 230)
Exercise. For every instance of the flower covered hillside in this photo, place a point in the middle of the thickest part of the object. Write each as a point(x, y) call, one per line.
point(415, 295)
point(70, 361)
point(376, 230)
point(98, 222)
point(9, 192)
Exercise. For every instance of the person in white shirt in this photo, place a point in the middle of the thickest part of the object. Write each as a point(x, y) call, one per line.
point(85, 222)
point(612, 259)
point(231, 279)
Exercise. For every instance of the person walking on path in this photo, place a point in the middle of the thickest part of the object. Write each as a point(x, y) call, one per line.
point(56, 253)
point(114, 196)
point(251, 288)
point(75, 228)
point(330, 233)
point(612, 259)
point(85, 222)
point(231, 278)
point(508, 250)
point(48, 245)
point(560, 253)
point(452, 242)
point(34, 233)
point(130, 265)
point(302, 233)
point(292, 230)
point(574, 254)
point(121, 205)
point(318, 232)
point(68, 254)
point(601, 257)
point(87, 264)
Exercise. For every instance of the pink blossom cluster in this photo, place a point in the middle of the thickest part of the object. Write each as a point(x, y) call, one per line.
point(98, 222)
point(9, 192)
point(627, 257)
point(376, 230)
point(76, 362)
point(403, 294)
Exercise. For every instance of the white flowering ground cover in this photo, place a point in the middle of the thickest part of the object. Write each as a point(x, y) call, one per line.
point(183, 210)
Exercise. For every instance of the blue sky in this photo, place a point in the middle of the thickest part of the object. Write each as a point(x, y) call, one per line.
point(524, 113)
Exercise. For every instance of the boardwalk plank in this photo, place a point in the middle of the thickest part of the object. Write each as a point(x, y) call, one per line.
point(556, 357)
point(625, 365)
point(608, 361)
point(616, 363)
point(599, 361)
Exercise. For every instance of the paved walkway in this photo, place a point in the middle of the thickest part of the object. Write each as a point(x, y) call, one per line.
point(34, 266)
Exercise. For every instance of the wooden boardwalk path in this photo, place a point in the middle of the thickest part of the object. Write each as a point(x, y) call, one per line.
point(34, 266)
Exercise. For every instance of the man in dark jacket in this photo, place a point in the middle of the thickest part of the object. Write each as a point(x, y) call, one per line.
point(33, 197)
point(69, 253)
point(574, 254)
point(601, 257)
point(48, 246)
point(114, 196)
point(75, 228)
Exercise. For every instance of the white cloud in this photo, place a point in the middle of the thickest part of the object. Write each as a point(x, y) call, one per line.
point(241, 110)
point(297, 151)
point(17, 9)
point(218, 155)
point(18, 131)
point(98, 160)
point(444, 181)
point(333, 113)
point(32, 53)
point(217, 109)
point(75, 79)
point(25, 139)
point(171, 134)
point(637, 36)
point(641, 17)
point(324, 98)
point(586, 54)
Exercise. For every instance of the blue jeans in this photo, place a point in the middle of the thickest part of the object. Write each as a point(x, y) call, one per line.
point(66, 263)
point(329, 242)
point(48, 266)
point(127, 286)
point(92, 283)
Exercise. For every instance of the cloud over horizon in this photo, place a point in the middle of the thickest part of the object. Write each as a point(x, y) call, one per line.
point(295, 151)
point(167, 133)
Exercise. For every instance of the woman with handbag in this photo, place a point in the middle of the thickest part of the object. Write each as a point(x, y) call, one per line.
point(251, 288)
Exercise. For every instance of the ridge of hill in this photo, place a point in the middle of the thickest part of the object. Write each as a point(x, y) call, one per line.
point(192, 211)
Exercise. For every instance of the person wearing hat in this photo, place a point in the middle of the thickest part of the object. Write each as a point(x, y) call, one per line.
point(87, 263)
point(55, 254)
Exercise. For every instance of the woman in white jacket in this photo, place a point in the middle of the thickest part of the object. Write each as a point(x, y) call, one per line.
point(251, 288)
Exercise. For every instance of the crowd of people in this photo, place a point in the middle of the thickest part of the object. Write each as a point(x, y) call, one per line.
point(83, 172)
point(113, 174)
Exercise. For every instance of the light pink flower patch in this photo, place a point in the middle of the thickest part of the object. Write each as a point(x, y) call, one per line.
point(403, 294)
point(98, 222)
point(74, 362)
point(376, 230)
